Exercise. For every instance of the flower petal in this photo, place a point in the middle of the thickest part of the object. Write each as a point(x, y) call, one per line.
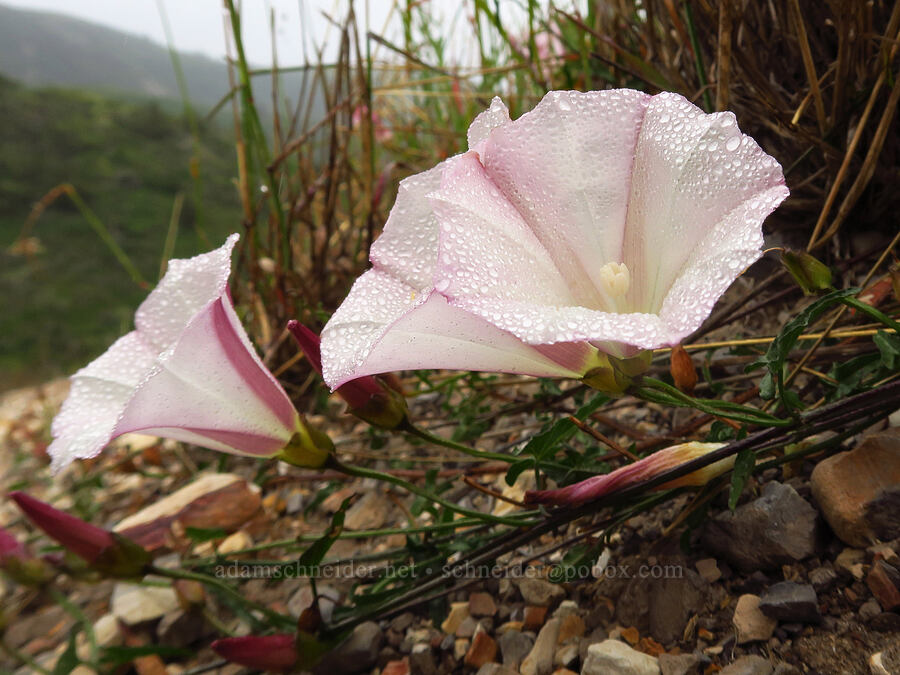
point(566, 167)
point(486, 249)
point(187, 286)
point(691, 171)
point(715, 263)
point(210, 386)
point(98, 395)
point(381, 327)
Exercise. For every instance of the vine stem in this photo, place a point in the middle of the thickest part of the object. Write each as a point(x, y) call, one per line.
point(434, 439)
point(362, 472)
point(275, 617)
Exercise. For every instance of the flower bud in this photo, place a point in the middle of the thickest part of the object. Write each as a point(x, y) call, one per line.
point(637, 472)
point(682, 369)
point(106, 552)
point(372, 399)
point(308, 448)
point(19, 565)
point(811, 275)
point(277, 653)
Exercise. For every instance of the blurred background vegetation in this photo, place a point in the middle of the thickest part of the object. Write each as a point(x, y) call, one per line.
point(112, 165)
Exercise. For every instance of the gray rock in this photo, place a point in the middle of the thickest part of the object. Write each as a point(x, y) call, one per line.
point(788, 601)
point(539, 592)
point(776, 529)
point(680, 664)
point(421, 660)
point(612, 657)
point(357, 653)
point(870, 608)
point(179, 628)
point(540, 659)
point(822, 578)
point(748, 665)
point(672, 602)
point(514, 646)
point(369, 513)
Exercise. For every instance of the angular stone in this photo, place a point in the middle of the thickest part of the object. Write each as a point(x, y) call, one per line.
point(822, 578)
point(884, 582)
point(612, 656)
point(496, 669)
point(133, 604)
point(748, 665)
point(357, 653)
point(708, 569)
point(400, 667)
point(539, 592)
point(483, 650)
point(540, 659)
point(369, 513)
point(514, 646)
point(672, 602)
point(482, 604)
point(571, 627)
point(776, 529)
point(859, 490)
point(678, 664)
point(749, 621)
point(791, 602)
point(534, 618)
point(220, 500)
point(421, 660)
point(459, 612)
point(566, 655)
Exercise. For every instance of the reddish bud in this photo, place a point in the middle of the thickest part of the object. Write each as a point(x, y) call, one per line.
point(682, 369)
point(377, 403)
point(105, 551)
point(19, 564)
point(267, 652)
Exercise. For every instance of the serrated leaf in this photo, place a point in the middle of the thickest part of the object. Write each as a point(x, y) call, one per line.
point(743, 466)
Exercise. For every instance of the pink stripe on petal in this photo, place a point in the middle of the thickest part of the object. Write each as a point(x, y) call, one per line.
point(248, 364)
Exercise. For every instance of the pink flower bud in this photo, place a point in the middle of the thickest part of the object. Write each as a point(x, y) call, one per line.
point(367, 397)
point(104, 551)
point(637, 472)
point(265, 652)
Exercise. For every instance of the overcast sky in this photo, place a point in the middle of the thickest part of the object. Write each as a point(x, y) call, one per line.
point(197, 25)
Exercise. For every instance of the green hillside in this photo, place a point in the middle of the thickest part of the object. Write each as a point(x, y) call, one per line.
point(65, 304)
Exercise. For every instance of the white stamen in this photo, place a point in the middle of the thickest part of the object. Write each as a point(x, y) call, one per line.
point(616, 279)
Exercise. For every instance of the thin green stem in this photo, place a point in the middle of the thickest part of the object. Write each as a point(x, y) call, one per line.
point(434, 439)
point(657, 391)
point(276, 618)
point(362, 472)
point(879, 316)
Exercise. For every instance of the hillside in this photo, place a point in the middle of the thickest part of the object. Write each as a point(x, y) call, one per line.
point(128, 161)
point(46, 49)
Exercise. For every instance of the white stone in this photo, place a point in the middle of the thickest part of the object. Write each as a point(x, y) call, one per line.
point(134, 604)
point(612, 657)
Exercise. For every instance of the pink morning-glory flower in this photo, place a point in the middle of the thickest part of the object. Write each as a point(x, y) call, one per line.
point(188, 372)
point(605, 221)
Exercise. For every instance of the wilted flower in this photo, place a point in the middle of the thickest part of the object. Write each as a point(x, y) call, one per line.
point(105, 551)
point(367, 398)
point(603, 221)
point(187, 372)
point(639, 471)
point(265, 652)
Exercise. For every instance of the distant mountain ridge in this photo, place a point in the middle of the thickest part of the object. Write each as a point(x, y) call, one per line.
point(47, 49)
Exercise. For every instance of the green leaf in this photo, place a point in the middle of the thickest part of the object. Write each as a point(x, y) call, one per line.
point(889, 346)
point(313, 555)
point(201, 534)
point(546, 442)
point(68, 660)
point(117, 656)
point(516, 469)
point(743, 467)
